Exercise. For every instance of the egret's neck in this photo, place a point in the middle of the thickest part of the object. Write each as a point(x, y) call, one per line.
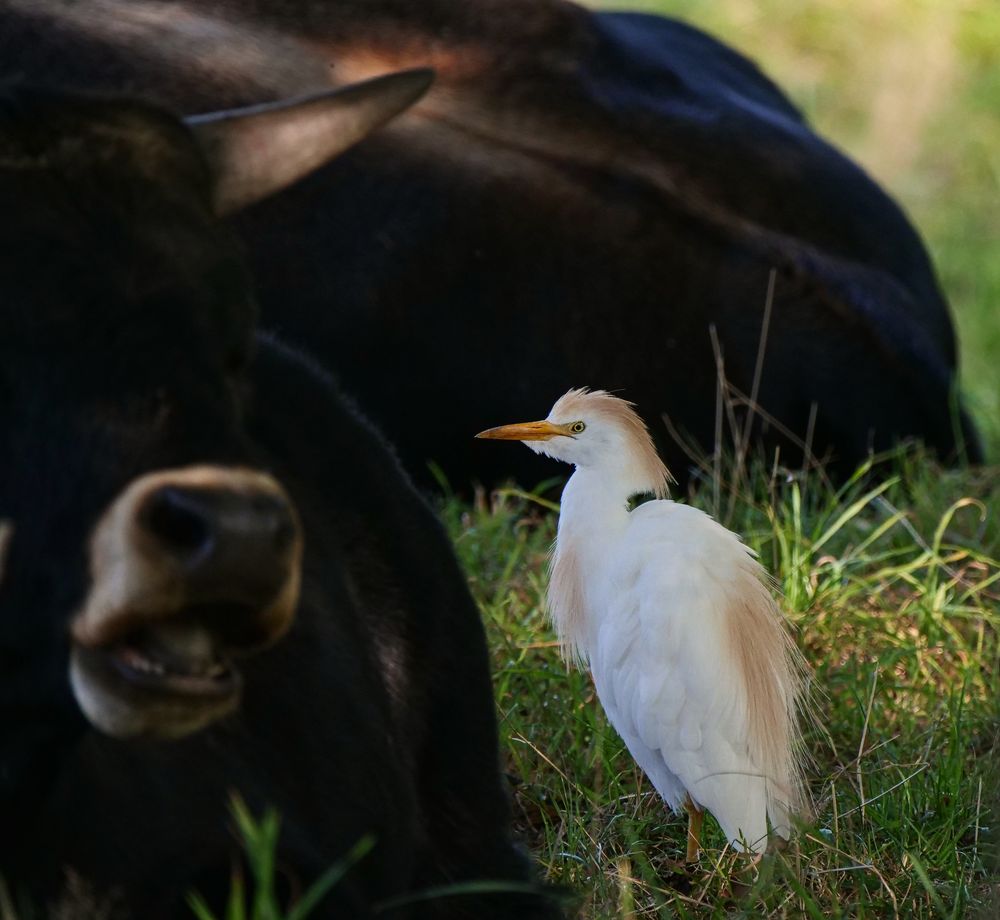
point(593, 502)
point(592, 516)
point(601, 493)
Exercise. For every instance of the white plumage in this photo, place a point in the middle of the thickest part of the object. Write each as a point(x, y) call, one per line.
point(689, 652)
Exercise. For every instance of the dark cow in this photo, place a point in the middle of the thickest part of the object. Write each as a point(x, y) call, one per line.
point(175, 495)
point(581, 199)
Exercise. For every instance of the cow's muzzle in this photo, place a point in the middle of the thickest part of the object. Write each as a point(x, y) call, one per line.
point(189, 567)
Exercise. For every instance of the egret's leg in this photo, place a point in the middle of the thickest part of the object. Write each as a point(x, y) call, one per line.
point(696, 816)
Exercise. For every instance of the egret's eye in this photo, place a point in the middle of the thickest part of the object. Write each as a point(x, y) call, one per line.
point(577, 427)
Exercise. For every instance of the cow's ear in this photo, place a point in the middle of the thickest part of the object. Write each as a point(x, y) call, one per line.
point(257, 151)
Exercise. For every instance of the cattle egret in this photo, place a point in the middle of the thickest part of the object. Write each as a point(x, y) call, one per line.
point(689, 652)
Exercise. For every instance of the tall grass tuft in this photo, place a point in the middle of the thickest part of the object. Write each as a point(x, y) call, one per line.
point(259, 901)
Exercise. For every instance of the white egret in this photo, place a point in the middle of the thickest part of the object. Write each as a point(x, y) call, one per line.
point(690, 654)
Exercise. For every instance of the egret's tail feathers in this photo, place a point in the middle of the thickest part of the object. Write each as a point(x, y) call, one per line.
point(740, 804)
point(750, 809)
point(780, 813)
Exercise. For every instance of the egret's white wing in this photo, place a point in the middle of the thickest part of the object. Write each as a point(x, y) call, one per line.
point(670, 678)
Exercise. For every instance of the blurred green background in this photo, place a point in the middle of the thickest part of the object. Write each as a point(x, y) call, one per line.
point(911, 90)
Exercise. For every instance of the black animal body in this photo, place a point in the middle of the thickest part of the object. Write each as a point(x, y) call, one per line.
point(582, 198)
point(214, 576)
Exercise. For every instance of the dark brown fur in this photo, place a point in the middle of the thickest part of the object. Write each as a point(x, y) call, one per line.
point(580, 200)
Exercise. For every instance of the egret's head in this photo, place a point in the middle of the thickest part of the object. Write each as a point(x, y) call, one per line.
point(594, 430)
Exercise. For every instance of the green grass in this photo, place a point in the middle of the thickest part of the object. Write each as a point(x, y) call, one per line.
point(911, 90)
point(894, 591)
point(258, 899)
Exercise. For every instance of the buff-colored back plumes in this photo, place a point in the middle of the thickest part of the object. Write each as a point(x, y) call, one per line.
point(566, 601)
point(774, 674)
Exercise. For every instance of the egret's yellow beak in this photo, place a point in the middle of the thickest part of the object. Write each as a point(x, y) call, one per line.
point(525, 431)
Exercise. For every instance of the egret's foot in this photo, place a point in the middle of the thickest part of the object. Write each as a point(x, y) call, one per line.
point(696, 817)
point(776, 844)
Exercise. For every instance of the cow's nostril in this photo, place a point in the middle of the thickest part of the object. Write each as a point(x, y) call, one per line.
point(285, 533)
point(179, 521)
point(232, 542)
point(284, 530)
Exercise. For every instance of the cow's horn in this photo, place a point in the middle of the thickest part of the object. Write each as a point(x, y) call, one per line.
point(257, 151)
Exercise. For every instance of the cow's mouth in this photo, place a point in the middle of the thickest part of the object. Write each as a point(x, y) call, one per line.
point(171, 658)
point(164, 679)
point(187, 565)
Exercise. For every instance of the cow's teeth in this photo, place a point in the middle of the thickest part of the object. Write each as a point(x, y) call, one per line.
point(139, 662)
point(133, 658)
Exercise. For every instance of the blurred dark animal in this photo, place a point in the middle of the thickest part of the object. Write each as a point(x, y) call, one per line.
point(175, 496)
point(581, 198)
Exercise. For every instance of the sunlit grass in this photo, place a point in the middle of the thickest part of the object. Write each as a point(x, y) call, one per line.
point(894, 590)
